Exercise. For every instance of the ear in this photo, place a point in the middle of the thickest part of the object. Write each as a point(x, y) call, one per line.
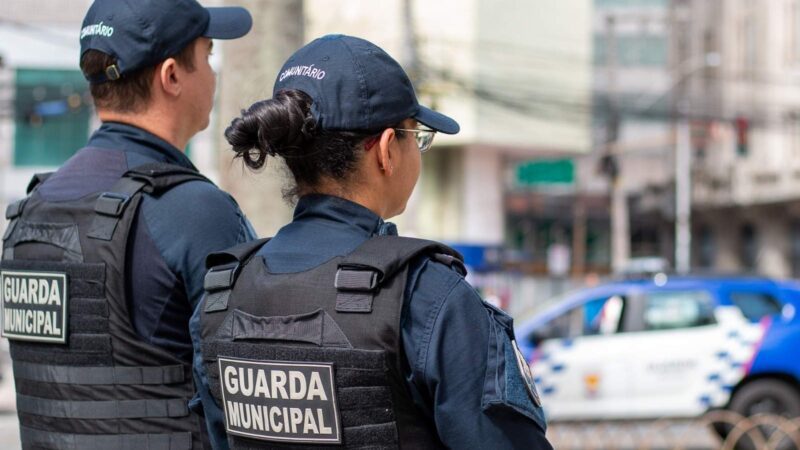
point(168, 77)
point(387, 148)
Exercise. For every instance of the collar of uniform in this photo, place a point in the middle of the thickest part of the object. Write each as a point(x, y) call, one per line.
point(120, 136)
point(343, 211)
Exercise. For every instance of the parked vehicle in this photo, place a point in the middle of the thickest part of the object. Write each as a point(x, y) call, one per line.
point(668, 347)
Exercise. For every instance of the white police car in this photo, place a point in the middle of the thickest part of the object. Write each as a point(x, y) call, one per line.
point(668, 347)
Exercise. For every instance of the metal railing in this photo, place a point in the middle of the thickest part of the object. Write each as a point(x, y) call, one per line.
point(760, 432)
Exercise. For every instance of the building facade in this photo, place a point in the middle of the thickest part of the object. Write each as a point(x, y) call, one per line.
point(746, 133)
point(631, 139)
point(517, 80)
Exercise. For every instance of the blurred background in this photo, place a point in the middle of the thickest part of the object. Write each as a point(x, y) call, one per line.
point(600, 138)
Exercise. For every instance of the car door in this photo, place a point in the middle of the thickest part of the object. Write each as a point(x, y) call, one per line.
point(678, 346)
point(581, 362)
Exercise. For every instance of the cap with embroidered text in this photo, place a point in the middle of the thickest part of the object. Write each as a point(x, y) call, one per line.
point(142, 33)
point(356, 86)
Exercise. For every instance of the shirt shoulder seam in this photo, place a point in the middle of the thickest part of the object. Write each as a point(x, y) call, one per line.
point(422, 359)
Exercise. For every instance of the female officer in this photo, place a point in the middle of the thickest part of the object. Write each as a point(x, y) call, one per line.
point(336, 331)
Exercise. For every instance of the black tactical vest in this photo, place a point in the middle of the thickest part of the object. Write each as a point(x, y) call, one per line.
point(84, 378)
point(314, 357)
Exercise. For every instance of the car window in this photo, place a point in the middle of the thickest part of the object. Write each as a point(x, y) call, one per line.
point(668, 310)
point(557, 328)
point(602, 316)
point(755, 305)
point(599, 316)
point(560, 326)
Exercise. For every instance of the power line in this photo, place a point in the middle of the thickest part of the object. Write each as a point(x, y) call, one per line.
point(43, 34)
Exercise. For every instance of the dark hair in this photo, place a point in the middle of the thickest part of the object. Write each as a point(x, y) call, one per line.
point(284, 126)
point(131, 92)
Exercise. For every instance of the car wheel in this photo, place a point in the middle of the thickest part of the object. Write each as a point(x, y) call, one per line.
point(768, 396)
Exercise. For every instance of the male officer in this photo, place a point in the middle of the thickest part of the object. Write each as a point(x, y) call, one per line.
point(103, 262)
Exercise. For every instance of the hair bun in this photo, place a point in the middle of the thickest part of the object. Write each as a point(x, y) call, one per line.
point(278, 126)
point(244, 136)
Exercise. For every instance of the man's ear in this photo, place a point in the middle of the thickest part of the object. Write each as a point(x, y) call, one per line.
point(168, 77)
point(387, 145)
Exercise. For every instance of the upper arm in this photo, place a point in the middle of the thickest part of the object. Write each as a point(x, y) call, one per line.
point(464, 366)
point(190, 221)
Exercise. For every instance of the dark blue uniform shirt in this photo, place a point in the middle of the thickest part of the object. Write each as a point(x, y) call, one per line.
point(171, 235)
point(473, 392)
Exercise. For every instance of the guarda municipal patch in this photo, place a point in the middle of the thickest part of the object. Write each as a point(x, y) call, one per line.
point(280, 401)
point(527, 375)
point(34, 305)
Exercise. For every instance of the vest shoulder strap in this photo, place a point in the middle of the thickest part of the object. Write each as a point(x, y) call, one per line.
point(388, 254)
point(14, 210)
point(153, 178)
point(36, 180)
point(361, 273)
point(239, 253)
point(160, 177)
point(223, 268)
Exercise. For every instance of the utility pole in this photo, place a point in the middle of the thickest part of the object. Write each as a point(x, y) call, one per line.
point(683, 154)
point(683, 195)
point(579, 232)
point(250, 66)
point(620, 235)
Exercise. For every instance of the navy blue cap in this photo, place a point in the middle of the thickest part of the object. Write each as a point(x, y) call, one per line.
point(142, 33)
point(356, 86)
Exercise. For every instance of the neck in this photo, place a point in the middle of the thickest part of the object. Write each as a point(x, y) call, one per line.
point(368, 198)
point(152, 121)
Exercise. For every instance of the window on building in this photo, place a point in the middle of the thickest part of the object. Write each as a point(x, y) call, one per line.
point(794, 247)
point(645, 240)
point(755, 305)
point(669, 310)
point(629, 3)
point(710, 46)
point(598, 243)
point(51, 116)
point(706, 247)
point(793, 33)
point(791, 122)
point(748, 251)
point(748, 45)
point(640, 50)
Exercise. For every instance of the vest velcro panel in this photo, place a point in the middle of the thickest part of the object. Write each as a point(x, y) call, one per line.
point(364, 397)
point(88, 342)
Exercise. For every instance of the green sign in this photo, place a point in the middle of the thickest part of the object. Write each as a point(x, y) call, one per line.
point(545, 173)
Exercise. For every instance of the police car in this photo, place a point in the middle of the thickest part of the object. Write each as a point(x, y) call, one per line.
point(668, 347)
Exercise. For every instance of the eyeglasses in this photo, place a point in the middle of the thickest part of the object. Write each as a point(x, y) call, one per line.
point(423, 136)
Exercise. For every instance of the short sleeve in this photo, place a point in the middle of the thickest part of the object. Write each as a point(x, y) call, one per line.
point(190, 221)
point(508, 383)
point(464, 371)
